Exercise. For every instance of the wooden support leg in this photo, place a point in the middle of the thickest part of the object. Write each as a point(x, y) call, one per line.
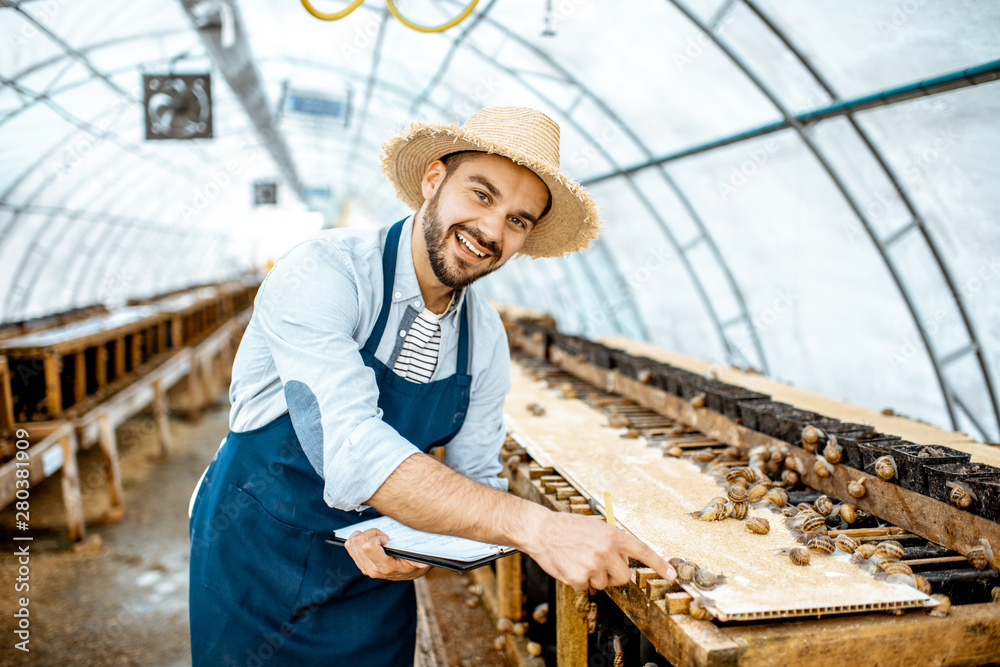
point(79, 376)
point(109, 447)
point(53, 386)
point(509, 599)
point(160, 415)
point(71, 489)
point(101, 359)
point(6, 401)
point(571, 630)
point(194, 397)
point(119, 357)
point(207, 372)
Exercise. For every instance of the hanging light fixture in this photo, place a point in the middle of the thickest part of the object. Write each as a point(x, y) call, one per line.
point(177, 106)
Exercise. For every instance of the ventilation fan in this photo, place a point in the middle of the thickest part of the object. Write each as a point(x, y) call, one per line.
point(178, 106)
point(265, 193)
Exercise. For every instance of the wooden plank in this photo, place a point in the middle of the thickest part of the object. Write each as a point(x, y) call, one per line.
point(677, 637)
point(53, 387)
point(102, 366)
point(571, 629)
point(70, 483)
point(136, 350)
point(931, 519)
point(79, 376)
point(968, 635)
point(119, 347)
point(6, 400)
point(510, 600)
point(109, 448)
point(194, 398)
point(488, 582)
point(161, 417)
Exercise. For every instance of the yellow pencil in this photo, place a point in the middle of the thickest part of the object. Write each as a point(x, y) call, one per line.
point(609, 511)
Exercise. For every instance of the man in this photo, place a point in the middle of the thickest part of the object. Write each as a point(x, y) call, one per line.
point(365, 350)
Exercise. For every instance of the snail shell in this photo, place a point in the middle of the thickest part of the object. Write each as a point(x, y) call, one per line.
point(857, 488)
point(685, 572)
point(700, 609)
point(821, 544)
point(504, 624)
point(756, 492)
point(758, 525)
point(846, 544)
point(833, 452)
point(738, 510)
point(921, 584)
point(848, 513)
point(714, 511)
point(541, 613)
point(790, 511)
point(674, 451)
point(741, 482)
point(866, 550)
point(961, 496)
point(810, 434)
point(889, 549)
point(885, 467)
point(799, 555)
point(719, 499)
point(995, 594)
point(741, 471)
point(822, 468)
point(789, 477)
point(824, 505)
point(706, 580)
point(737, 493)
point(895, 567)
point(977, 558)
point(777, 454)
point(943, 605)
point(536, 409)
point(732, 452)
point(813, 523)
point(674, 562)
point(704, 455)
point(776, 498)
point(698, 401)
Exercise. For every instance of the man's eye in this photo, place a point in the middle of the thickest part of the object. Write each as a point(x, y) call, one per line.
point(482, 195)
point(518, 222)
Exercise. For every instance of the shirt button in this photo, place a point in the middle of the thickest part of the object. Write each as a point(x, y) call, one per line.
point(398, 295)
point(402, 333)
point(416, 304)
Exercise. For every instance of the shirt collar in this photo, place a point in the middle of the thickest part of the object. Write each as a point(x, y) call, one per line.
point(405, 287)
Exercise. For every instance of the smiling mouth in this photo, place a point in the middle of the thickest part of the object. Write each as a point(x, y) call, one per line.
point(475, 251)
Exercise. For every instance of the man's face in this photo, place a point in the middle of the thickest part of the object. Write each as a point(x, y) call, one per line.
point(480, 216)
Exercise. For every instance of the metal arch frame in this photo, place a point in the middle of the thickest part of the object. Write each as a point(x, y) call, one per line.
point(917, 222)
point(946, 391)
point(704, 235)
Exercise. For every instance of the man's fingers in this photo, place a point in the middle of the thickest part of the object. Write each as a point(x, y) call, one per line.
point(642, 552)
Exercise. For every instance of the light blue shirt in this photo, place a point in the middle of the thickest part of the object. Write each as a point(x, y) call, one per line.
point(301, 354)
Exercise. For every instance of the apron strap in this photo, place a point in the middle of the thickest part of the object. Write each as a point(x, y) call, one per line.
point(388, 277)
point(463, 342)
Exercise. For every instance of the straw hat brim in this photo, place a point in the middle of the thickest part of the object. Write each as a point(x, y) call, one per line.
point(572, 223)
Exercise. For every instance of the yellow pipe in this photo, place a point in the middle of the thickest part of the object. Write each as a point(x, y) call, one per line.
point(331, 16)
point(422, 28)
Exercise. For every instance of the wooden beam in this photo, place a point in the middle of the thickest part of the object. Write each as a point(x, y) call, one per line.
point(119, 344)
point(968, 635)
point(571, 629)
point(161, 416)
point(510, 600)
point(102, 366)
point(70, 483)
point(109, 448)
point(79, 376)
point(53, 386)
point(6, 401)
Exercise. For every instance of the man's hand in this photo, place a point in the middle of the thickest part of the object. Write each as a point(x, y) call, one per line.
point(369, 555)
point(584, 551)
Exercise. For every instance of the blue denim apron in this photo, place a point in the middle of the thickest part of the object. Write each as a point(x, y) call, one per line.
point(266, 588)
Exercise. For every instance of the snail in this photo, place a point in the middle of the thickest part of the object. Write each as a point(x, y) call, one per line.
point(885, 467)
point(798, 555)
point(849, 513)
point(644, 376)
point(889, 549)
point(567, 390)
point(995, 594)
point(741, 482)
point(521, 629)
point(714, 511)
point(533, 648)
point(866, 550)
point(685, 572)
point(756, 492)
point(824, 505)
point(833, 452)
point(536, 409)
point(741, 471)
point(674, 562)
point(810, 434)
point(704, 455)
point(504, 624)
point(541, 613)
point(813, 523)
point(758, 525)
point(846, 544)
point(737, 493)
point(700, 609)
point(961, 496)
point(857, 488)
point(706, 580)
point(732, 452)
point(895, 567)
point(778, 496)
point(719, 499)
point(921, 584)
point(738, 510)
point(777, 454)
point(674, 451)
point(980, 556)
point(698, 401)
point(821, 544)
point(822, 468)
point(789, 477)
point(943, 605)
point(790, 511)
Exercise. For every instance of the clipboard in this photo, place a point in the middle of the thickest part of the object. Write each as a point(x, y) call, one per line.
point(460, 566)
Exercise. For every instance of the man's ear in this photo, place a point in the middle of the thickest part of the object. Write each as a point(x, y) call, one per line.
point(433, 178)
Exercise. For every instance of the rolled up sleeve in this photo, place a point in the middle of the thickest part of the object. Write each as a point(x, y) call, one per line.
point(309, 312)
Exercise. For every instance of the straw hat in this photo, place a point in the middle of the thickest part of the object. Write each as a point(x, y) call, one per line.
point(526, 136)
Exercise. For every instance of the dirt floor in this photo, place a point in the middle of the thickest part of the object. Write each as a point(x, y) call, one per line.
point(120, 596)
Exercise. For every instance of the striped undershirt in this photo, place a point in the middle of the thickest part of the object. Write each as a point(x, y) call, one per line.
point(419, 354)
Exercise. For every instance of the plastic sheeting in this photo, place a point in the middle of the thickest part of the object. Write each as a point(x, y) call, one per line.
point(793, 251)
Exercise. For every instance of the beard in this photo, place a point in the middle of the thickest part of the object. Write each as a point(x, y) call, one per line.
point(436, 238)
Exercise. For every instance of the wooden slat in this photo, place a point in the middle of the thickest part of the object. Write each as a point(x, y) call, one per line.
point(70, 482)
point(6, 400)
point(79, 377)
point(968, 635)
point(102, 366)
point(510, 600)
point(571, 629)
point(160, 416)
point(119, 346)
point(53, 386)
point(109, 448)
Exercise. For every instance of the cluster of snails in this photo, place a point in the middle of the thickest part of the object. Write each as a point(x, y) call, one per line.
point(691, 573)
point(883, 561)
point(808, 519)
